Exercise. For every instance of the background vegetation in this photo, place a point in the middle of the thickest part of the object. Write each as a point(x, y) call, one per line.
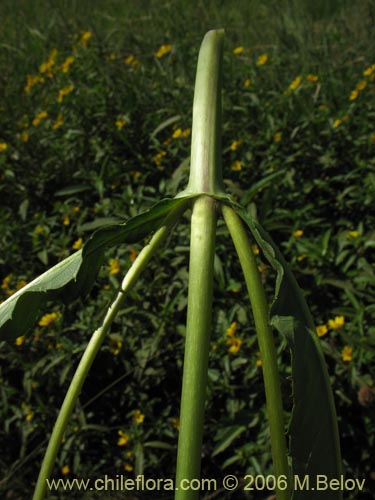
point(95, 120)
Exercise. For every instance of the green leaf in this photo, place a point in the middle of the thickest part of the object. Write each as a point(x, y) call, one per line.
point(164, 124)
point(75, 275)
point(258, 186)
point(314, 440)
point(69, 190)
point(159, 444)
point(228, 437)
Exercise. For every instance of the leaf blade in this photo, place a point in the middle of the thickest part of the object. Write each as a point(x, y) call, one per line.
point(314, 440)
point(76, 274)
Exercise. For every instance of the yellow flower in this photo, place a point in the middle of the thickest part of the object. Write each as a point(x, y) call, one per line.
point(120, 123)
point(128, 467)
point(3, 147)
point(133, 255)
point(298, 233)
point(47, 66)
point(262, 268)
point(361, 85)
point(312, 78)
point(111, 57)
point(295, 83)
point(163, 50)
point(259, 363)
point(77, 244)
point(231, 330)
point(337, 123)
point(186, 133)
point(321, 330)
point(66, 220)
point(29, 414)
point(177, 133)
point(48, 318)
point(24, 136)
point(237, 51)
point(39, 117)
point(138, 416)
point(353, 234)
point(59, 121)
point(32, 80)
point(369, 71)
point(67, 63)
point(20, 340)
point(136, 174)
point(65, 470)
point(353, 95)
point(123, 438)
point(277, 137)
point(128, 60)
point(115, 346)
point(235, 345)
point(176, 423)
point(21, 284)
point(235, 145)
point(236, 166)
point(255, 249)
point(63, 92)
point(336, 323)
point(262, 59)
point(347, 353)
point(114, 266)
point(159, 157)
point(247, 83)
point(85, 37)
point(6, 281)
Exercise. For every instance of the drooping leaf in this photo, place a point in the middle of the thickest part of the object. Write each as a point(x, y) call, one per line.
point(227, 438)
point(261, 184)
point(76, 274)
point(74, 189)
point(313, 432)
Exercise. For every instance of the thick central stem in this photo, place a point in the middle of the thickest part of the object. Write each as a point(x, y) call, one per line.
point(198, 328)
point(205, 179)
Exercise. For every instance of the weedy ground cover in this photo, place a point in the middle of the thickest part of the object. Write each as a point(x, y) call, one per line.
point(95, 127)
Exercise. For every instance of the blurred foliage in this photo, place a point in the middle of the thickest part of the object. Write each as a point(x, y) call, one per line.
point(95, 125)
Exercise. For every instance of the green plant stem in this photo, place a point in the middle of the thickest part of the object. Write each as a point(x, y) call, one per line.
point(94, 345)
point(194, 385)
point(205, 164)
point(266, 345)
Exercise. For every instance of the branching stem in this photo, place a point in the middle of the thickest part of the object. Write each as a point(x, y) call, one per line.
point(94, 345)
point(266, 345)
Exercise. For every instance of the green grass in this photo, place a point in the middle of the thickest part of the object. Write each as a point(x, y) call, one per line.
point(326, 188)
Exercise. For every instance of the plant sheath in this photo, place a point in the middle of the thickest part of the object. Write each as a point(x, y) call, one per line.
point(266, 346)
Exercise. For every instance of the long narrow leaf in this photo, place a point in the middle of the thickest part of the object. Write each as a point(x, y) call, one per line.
point(75, 275)
point(314, 441)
